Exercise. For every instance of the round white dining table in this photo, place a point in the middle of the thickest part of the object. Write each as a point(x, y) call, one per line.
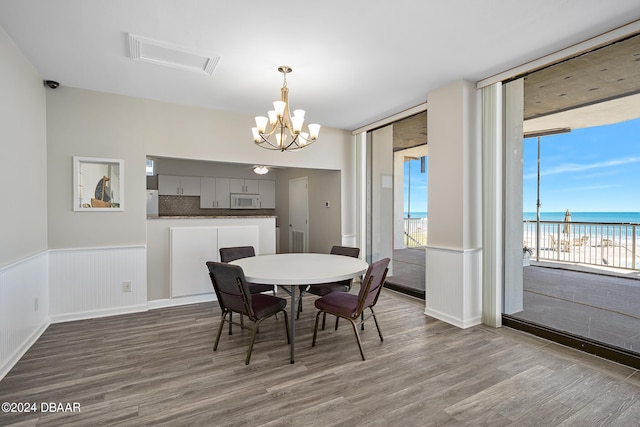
point(299, 269)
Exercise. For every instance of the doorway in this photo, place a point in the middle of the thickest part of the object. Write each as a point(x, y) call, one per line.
point(397, 201)
point(586, 164)
point(299, 215)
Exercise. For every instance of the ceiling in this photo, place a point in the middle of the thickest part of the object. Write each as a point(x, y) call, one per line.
point(354, 62)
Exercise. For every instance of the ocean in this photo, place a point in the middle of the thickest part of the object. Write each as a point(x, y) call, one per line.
point(598, 217)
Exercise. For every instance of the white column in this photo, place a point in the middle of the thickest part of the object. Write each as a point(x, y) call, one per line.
point(454, 253)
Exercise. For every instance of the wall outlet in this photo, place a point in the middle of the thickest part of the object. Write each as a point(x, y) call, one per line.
point(126, 286)
point(35, 304)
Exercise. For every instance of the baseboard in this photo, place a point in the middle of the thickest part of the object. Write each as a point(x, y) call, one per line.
point(94, 314)
point(463, 324)
point(17, 355)
point(174, 302)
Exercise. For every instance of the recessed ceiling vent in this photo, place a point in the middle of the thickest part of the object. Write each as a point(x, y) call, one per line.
point(171, 55)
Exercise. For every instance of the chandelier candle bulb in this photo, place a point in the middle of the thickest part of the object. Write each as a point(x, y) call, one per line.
point(261, 123)
point(281, 123)
point(279, 107)
point(256, 134)
point(314, 130)
point(297, 122)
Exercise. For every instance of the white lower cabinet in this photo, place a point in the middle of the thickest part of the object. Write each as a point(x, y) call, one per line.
point(190, 249)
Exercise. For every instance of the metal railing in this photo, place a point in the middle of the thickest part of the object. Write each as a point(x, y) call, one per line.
point(415, 232)
point(603, 244)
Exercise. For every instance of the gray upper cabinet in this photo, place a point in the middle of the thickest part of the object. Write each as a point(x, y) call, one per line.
point(173, 185)
point(248, 186)
point(214, 193)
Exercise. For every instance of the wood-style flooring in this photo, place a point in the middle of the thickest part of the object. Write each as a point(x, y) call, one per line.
point(158, 368)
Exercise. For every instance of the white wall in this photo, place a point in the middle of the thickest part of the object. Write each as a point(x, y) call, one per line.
point(23, 163)
point(24, 286)
point(454, 166)
point(93, 124)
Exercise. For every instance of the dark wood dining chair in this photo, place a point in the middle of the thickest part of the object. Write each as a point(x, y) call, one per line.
point(351, 306)
point(238, 252)
point(326, 288)
point(233, 294)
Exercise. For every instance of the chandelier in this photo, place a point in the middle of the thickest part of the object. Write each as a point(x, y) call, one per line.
point(281, 131)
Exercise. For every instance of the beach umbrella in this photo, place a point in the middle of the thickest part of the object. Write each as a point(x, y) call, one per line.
point(567, 219)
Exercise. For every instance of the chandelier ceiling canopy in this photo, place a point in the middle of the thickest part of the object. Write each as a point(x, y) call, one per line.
point(280, 130)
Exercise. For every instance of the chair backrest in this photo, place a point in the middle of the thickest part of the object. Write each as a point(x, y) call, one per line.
point(372, 284)
point(231, 287)
point(236, 252)
point(346, 251)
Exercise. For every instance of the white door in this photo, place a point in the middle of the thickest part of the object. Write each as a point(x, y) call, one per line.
point(298, 215)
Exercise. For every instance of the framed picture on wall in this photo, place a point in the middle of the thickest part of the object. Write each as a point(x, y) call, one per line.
point(98, 184)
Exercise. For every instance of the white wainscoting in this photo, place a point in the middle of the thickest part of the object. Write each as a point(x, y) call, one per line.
point(24, 307)
point(87, 283)
point(454, 285)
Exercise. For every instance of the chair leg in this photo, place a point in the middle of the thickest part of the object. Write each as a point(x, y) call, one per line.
point(230, 324)
point(362, 321)
point(324, 320)
point(355, 331)
point(337, 319)
point(286, 325)
point(253, 339)
point(375, 319)
point(300, 301)
point(315, 329)
point(224, 315)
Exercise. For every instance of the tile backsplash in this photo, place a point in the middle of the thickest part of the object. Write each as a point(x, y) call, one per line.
point(190, 206)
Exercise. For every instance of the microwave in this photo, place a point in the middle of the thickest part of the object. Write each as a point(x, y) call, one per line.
point(245, 201)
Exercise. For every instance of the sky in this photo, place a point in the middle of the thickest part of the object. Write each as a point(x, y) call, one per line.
point(418, 186)
point(587, 170)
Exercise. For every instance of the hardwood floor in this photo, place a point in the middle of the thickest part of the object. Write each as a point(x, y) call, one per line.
point(158, 368)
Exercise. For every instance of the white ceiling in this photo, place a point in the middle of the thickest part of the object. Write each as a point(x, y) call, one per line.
point(354, 61)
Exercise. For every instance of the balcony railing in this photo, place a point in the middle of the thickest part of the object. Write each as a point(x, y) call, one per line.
point(415, 232)
point(603, 244)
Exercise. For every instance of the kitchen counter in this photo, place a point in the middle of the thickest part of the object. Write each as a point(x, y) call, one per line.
point(182, 244)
